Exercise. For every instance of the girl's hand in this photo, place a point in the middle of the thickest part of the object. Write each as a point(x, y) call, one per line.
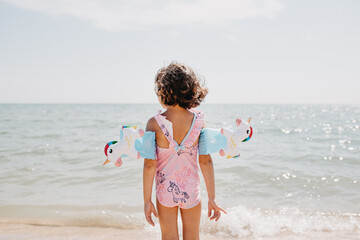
point(148, 209)
point(212, 206)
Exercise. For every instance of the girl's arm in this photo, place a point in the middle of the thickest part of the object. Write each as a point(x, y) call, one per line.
point(148, 179)
point(207, 169)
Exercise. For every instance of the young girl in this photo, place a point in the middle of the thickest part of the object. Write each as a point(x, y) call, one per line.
point(176, 170)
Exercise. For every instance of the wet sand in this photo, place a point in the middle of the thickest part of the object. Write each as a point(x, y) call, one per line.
point(16, 231)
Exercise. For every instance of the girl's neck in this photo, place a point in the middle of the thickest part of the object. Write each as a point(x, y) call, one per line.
point(175, 109)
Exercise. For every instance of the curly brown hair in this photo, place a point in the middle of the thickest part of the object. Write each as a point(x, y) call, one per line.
point(178, 84)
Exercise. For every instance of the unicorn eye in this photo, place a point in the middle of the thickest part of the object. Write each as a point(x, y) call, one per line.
point(247, 131)
point(110, 151)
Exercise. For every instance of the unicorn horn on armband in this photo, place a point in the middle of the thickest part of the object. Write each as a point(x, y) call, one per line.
point(116, 150)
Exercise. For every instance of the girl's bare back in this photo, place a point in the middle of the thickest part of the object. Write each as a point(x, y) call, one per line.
point(181, 122)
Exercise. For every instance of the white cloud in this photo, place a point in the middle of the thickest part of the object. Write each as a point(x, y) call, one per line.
point(113, 15)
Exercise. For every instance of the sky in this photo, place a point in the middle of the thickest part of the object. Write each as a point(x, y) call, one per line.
point(248, 51)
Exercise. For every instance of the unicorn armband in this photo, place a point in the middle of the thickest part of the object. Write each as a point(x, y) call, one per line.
point(225, 141)
point(146, 145)
point(137, 143)
point(210, 141)
point(242, 133)
point(115, 150)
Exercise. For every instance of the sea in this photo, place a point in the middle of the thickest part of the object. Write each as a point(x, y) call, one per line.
point(298, 177)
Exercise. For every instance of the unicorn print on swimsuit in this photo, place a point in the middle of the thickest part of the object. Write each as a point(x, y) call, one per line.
point(159, 178)
point(177, 194)
point(160, 184)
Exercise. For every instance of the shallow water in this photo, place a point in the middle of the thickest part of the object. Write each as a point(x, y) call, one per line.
point(299, 173)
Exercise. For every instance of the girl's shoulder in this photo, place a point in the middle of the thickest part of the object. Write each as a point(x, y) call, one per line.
point(152, 125)
point(153, 122)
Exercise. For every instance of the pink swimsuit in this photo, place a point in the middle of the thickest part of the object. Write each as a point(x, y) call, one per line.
point(177, 171)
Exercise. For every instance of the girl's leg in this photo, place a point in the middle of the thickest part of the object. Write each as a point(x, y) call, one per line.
point(168, 221)
point(191, 222)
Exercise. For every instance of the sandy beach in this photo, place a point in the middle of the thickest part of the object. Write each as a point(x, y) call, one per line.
point(13, 231)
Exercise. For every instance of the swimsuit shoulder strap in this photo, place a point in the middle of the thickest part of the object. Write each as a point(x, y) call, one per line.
point(196, 129)
point(166, 127)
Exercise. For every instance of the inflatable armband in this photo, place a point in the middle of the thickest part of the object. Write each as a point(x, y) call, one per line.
point(211, 141)
point(146, 145)
point(115, 150)
point(139, 143)
point(242, 133)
